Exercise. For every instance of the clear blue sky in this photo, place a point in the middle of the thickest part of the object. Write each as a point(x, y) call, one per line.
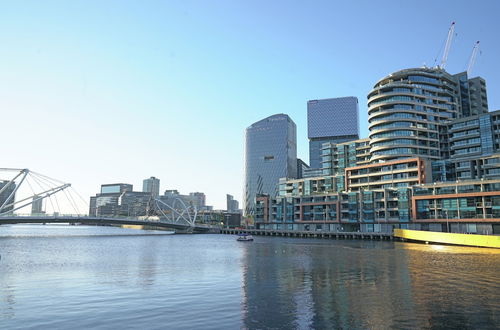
point(98, 92)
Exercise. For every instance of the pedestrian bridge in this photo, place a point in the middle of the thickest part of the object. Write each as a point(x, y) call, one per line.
point(178, 227)
point(179, 216)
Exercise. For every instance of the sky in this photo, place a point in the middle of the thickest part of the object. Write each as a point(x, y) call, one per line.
point(95, 92)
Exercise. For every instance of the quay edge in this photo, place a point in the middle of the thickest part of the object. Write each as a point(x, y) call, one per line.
point(311, 234)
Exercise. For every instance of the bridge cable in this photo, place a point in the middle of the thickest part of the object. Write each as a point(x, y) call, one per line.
point(74, 202)
point(36, 179)
point(32, 190)
point(47, 178)
point(70, 202)
point(57, 203)
point(29, 185)
point(84, 201)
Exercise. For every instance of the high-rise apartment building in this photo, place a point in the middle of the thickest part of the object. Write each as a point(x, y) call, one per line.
point(270, 154)
point(431, 162)
point(408, 112)
point(330, 120)
point(152, 186)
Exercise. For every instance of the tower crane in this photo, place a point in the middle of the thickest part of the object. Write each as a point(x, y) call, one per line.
point(472, 60)
point(447, 45)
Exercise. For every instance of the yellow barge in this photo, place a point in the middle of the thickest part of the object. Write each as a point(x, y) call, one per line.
point(490, 241)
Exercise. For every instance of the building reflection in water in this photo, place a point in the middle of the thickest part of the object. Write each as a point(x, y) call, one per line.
point(456, 287)
point(290, 283)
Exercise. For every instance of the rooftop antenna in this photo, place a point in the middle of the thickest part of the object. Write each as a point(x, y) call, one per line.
point(472, 60)
point(447, 45)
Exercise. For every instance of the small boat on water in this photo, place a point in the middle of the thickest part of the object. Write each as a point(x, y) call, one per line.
point(244, 238)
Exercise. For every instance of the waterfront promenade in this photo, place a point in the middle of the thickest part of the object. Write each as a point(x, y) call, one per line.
point(311, 234)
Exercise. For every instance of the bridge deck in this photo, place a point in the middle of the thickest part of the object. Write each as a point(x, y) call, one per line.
point(86, 220)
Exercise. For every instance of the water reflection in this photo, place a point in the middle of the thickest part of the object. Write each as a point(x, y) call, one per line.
point(304, 284)
point(447, 248)
point(122, 278)
point(128, 280)
point(455, 286)
point(9, 300)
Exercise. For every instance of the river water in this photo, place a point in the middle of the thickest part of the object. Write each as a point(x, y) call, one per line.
point(79, 277)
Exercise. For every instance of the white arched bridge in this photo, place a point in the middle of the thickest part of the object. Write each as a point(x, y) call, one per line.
point(36, 187)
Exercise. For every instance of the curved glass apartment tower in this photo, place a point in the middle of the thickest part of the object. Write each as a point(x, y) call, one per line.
point(407, 111)
point(270, 154)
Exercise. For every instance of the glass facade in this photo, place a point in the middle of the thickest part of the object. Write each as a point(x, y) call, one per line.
point(412, 107)
point(485, 129)
point(330, 120)
point(115, 188)
point(270, 154)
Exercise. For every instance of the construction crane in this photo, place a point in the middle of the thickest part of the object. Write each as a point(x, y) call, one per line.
point(472, 60)
point(447, 45)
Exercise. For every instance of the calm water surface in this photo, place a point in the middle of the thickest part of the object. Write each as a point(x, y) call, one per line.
point(78, 277)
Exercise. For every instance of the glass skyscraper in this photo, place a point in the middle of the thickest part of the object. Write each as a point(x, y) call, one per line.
point(270, 154)
point(330, 120)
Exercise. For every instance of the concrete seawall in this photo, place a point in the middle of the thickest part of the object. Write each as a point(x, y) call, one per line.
point(310, 234)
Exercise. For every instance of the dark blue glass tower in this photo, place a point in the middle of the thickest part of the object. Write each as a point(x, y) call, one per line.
point(270, 154)
point(330, 120)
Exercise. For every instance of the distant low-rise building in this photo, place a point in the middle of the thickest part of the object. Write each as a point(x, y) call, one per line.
point(173, 199)
point(220, 218)
point(120, 200)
